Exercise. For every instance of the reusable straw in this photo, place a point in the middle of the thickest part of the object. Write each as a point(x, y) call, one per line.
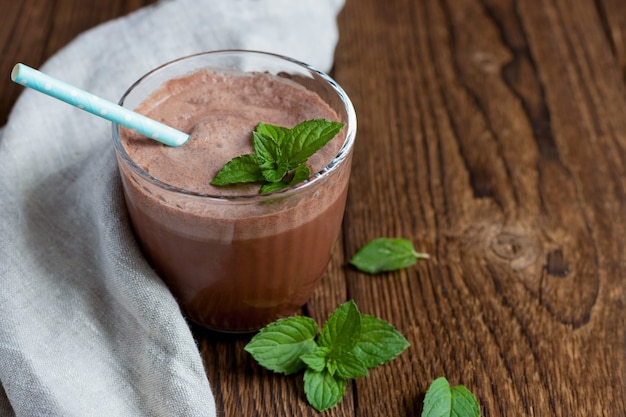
point(29, 77)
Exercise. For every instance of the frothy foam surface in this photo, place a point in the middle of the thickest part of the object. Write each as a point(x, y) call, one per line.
point(220, 111)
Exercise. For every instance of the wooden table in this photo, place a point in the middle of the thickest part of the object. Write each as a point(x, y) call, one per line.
point(493, 135)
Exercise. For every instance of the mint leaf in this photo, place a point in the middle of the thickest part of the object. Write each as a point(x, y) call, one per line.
point(322, 389)
point(308, 137)
point(464, 403)
point(277, 132)
point(270, 187)
point(266, 149)
point(438, 399)
point(340, 336)
point(379, 342)
point(316, 359)
point(348, 344)
point(275, 173)
point(386, 254)
point(242, 169)
point(300, 173)
point(271, 160)
point(348, 366)
point(280, 345)
point(279, 155)
point(443, 401)
point(342, 330)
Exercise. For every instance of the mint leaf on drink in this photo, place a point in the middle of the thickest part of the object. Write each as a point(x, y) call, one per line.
point(441, 400)
point(386, 254)
point(279, 155)
point(300, 174)
point(308, 137)
point(348, 345)
point(244, 168)
point(277, 132)
point(270, 187)
point(271, 160)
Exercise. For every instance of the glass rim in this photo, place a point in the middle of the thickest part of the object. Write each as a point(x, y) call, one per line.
point(335, 162)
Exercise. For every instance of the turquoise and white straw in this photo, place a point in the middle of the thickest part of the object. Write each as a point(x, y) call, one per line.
point(58, 89)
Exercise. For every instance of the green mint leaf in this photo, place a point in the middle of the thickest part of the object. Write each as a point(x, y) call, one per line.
point(272, 162)
point(276, 173)
point(386, 254)
point(438, 399)
point(348, 344)
point(316, 359)
point(266, 149)
point(331, 365)
point(340, 334)
point(308, 137)
point(280, 345)
point(348, 366)
point(379, 342)
point(443, 401)
point(242, 169)
point(342, 330)
point(278, 133)
point(322, 389)
point(279, 152)
point(300, 173)
point(464, 403)
point(270, 187)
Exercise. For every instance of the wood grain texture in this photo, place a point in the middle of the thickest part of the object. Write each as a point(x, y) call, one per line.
point(32, 30)
point(492, 134)
point(613, 15)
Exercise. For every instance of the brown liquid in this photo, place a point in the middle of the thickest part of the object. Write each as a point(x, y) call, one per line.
point(234, 266)
point(242, 284)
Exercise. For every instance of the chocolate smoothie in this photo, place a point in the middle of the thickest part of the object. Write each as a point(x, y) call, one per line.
point(234, 259)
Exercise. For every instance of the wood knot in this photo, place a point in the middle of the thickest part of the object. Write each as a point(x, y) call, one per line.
point(519, 251)
point(487, 62)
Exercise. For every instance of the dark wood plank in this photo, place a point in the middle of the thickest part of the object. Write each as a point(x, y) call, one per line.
point(492, 134)
point(613, 15)
point(32, 30)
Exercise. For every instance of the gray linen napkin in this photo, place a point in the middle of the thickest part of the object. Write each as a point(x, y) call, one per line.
point(86, 327)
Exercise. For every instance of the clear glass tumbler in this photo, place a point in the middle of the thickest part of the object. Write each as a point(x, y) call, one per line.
point(237, 262)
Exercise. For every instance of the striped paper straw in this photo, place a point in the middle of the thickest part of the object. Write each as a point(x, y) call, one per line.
point(31, 78)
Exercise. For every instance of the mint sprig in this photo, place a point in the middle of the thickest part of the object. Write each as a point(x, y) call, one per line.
point(441, 400)
point(386, 254)
point(281, 344)
point(279, 155)
point(348, 345)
